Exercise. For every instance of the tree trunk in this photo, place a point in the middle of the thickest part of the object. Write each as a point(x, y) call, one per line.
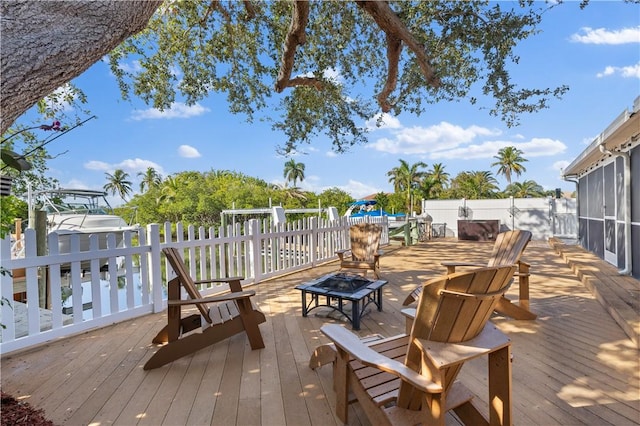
point(45, 44)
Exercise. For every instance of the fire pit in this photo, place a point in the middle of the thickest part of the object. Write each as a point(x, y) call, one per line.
point(346, 283)
point(337, 288)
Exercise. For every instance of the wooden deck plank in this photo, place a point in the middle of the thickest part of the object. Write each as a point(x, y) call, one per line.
point(249, 407)
point(159, 385)
point(226, 410)
point(317, 407)
point(271, 402)
point(152, 408)
point(78, 377)
point(573, 365)
point(294, 407)
point(101, 380)
point(49, 377)
point(206, 397)
point(173, 401)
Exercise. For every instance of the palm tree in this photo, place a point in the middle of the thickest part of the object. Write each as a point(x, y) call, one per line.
point(509, 161)
point(484, 184)
point(118, 183)
point(526, 189)
point(475, 185)
point(427, 187)
point(406, 179)
point(170, 189)
point(293, 171)
point(290, 192)
point(439, 179)
point(150, 179)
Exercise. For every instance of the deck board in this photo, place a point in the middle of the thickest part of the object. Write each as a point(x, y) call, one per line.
point(573, 365)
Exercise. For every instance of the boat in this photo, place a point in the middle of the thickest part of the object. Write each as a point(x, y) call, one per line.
point(362, 208)
point(82, 212)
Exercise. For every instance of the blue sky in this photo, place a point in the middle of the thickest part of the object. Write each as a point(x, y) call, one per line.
point(596, 51)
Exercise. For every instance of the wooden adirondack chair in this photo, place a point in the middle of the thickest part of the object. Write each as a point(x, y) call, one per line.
point(411, 379)
point(219, 317)
point(507, 250)
point(364, 253)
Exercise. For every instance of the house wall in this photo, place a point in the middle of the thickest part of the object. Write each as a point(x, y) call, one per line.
point(635, 211)
point(601, 211)
point(544, 217)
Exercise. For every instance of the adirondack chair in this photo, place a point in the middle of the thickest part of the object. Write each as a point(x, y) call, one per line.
point(411, 379)
point(219, 317)
point(507, 250)
point(364, 253)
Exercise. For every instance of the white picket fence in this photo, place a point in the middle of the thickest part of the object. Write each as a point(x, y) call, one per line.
point(120, 282)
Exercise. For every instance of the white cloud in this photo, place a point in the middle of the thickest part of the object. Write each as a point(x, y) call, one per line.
point(60, 99)
point(428, 140)
point(604, 36)
point(187, 151)
point(97, 165)
point(75, 184)
point(383, 121)
point(470, 152)
point(330, 74)
point(631, 71)
point(138, 165)
point(131, 166)
point(358, 189)
point(133, 68)
point(536, 147)
point(334, 75)
point(560, 165)
point(310, 183)
point(177, 110)
point(541, 147)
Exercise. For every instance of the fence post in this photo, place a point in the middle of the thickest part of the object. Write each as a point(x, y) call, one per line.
point(313, 241)
point(155, 269)
point(6, 291)
point(254, 252)
point(41, 250)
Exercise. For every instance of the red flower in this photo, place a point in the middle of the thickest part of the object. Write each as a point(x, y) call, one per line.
point(54, 126)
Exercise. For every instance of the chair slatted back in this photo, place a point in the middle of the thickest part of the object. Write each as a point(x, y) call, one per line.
point(467, 303)
point(454, 308)
point(365, 240)
point(175, 260)
point(508, 247)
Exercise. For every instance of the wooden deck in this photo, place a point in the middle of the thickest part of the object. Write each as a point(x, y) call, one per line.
point(573, 365)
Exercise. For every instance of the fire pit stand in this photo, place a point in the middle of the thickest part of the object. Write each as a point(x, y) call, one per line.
point(338, 288)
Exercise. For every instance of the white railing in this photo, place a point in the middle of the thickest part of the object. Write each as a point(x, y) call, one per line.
point(61, 294)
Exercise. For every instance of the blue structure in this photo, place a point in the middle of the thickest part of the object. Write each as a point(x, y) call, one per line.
point(363, 208)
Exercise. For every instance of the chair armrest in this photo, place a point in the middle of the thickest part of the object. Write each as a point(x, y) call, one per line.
point(444, 354)
point(212, 299)
point(218, 280)
point(447, 264)
point(350, 343)
point(409, 313)
point(341, 253)
point(451, 266)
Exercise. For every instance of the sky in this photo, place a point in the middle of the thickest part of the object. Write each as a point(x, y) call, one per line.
point(596, 51)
